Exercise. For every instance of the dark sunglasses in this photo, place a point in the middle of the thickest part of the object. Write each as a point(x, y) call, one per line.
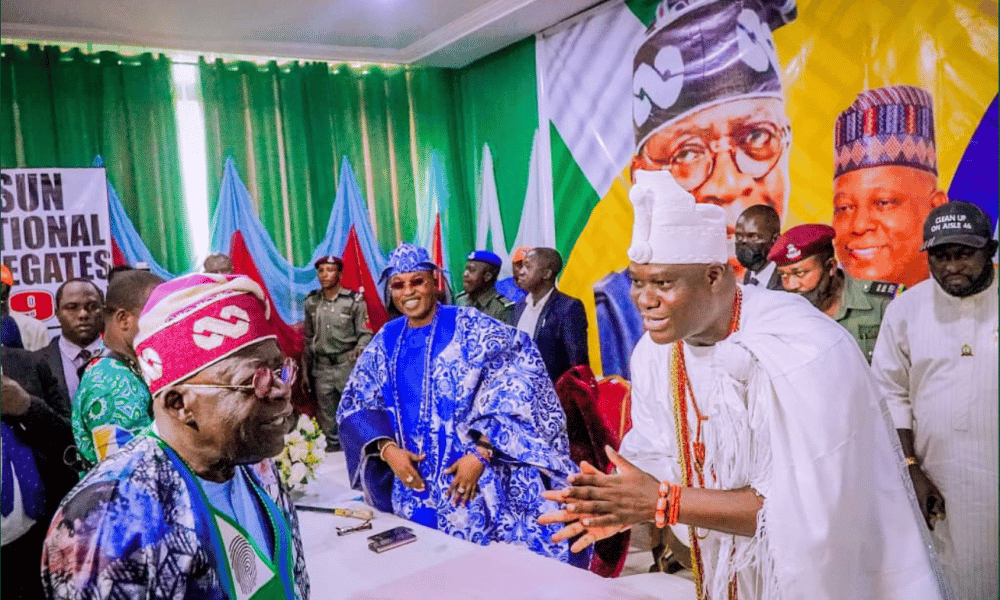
point(264, 379)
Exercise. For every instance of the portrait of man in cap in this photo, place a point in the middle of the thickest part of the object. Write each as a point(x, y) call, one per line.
point(708, 103)
point(885, 183)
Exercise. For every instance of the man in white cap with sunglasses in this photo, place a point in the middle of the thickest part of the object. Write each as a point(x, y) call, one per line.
point(191, 508)
point(758, 432)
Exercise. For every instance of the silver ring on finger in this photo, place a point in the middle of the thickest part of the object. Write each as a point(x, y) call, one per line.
point(461, 490)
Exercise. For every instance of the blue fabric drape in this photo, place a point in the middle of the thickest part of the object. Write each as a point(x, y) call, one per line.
point(131, 245)
point(287, 283)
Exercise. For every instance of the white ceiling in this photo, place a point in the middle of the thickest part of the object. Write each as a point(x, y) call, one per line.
point(447, 33)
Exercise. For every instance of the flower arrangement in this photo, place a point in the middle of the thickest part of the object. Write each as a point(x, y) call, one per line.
point(303, 451)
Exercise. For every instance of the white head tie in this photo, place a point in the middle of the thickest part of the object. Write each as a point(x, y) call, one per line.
point(670, 228)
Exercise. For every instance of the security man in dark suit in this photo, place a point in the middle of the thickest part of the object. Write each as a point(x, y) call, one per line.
point(80, 310)
point(755, 233)
point(336, 331)
point(557, 322)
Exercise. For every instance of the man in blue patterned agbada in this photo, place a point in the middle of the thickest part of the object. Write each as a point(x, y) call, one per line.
point(449, 419)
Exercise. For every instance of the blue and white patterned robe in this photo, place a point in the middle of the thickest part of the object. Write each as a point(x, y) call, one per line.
point(134, 529)
point(487, 379)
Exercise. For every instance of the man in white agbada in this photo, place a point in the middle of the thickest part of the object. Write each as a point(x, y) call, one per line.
point(760, 416)
point(937, 368)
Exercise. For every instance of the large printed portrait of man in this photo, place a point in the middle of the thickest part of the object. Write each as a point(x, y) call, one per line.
point(708, 105)
point(885, 183)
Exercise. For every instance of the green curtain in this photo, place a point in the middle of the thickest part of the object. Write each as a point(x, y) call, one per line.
point(61, 109)
point(498, 95)
point(288, 127)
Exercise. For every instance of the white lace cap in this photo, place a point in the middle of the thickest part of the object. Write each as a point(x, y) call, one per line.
point(670, 228)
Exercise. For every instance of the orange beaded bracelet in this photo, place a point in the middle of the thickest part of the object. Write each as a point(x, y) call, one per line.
point(675, 504)
point(659, 516)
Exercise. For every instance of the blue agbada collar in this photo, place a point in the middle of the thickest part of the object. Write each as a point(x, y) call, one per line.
point(408, 258)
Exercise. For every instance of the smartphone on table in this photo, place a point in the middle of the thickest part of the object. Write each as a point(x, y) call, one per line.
point(393, 538)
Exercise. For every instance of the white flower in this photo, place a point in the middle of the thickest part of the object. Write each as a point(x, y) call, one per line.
point(297, 452)
point(294, 438)
point(306, 425)
point(299, 473)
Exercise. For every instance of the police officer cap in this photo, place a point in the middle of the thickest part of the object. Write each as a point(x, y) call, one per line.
point(801, 242)
point(485, 256)
point(329, 260)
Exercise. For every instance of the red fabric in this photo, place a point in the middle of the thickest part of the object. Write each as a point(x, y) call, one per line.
point(117, 258)
point(289, 336)
point(437, 252)
point(614, 406)
point(356, 275)
point(581, 397)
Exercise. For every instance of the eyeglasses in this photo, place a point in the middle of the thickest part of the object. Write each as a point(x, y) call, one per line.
point(362, 527)
point(755, 149)
point(264, 380)
point(415, 282)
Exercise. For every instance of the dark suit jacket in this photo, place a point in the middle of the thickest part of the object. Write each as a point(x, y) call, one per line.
point(51, 356)
point(560, 334)
point(774, 283)
point(46, 429)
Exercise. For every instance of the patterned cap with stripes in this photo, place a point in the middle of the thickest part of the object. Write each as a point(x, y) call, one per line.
point(891, 125)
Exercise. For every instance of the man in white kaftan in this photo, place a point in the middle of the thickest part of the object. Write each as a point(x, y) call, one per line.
point(792, 413)
point(937, 369)
point(778, 457)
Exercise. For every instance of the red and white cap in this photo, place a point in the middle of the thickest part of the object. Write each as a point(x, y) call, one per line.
point(196, 320)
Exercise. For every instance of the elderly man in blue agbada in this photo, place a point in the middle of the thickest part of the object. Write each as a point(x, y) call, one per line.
point(449, 419)
point(190, 509)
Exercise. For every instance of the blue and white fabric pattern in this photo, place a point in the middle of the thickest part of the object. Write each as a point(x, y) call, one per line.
point(478, 377)
point(408, 258)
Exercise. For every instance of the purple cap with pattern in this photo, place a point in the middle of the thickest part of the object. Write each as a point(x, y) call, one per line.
point(698, 53)
point(892, 125)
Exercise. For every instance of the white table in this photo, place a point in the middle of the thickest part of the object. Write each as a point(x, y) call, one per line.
point(440, 567)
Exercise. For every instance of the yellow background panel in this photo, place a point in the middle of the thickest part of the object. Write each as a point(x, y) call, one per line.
point(832, 51)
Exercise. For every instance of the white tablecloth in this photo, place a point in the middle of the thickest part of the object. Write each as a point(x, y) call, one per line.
point(440, 567)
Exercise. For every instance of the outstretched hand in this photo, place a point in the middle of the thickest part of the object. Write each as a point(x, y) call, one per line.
point(598, 505)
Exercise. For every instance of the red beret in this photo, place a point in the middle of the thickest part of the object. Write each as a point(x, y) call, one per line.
point(801, 242)
point(329, 260)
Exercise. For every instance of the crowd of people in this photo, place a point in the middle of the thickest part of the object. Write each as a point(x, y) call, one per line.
point(754, 408)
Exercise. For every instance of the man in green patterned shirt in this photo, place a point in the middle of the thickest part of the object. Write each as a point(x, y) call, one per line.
point(113, 402)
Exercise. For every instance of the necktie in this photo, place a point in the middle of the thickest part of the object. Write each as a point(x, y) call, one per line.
point(754, 281)
point(83, 357)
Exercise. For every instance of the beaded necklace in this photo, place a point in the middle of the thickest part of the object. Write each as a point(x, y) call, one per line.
point(424, 417)
point(693, 467)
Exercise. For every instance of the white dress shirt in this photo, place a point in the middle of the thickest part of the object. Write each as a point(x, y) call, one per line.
point(71, 361)
point(529, 318)
point(761, 278)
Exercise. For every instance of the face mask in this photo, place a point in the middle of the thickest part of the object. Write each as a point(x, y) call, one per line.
point(751, 255)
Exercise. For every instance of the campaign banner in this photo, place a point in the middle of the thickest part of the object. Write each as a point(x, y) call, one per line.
point(862, 116)
point(54, 227)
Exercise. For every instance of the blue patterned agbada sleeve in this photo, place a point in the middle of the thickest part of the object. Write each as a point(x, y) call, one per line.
point(116, 534)
point(515, 405)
